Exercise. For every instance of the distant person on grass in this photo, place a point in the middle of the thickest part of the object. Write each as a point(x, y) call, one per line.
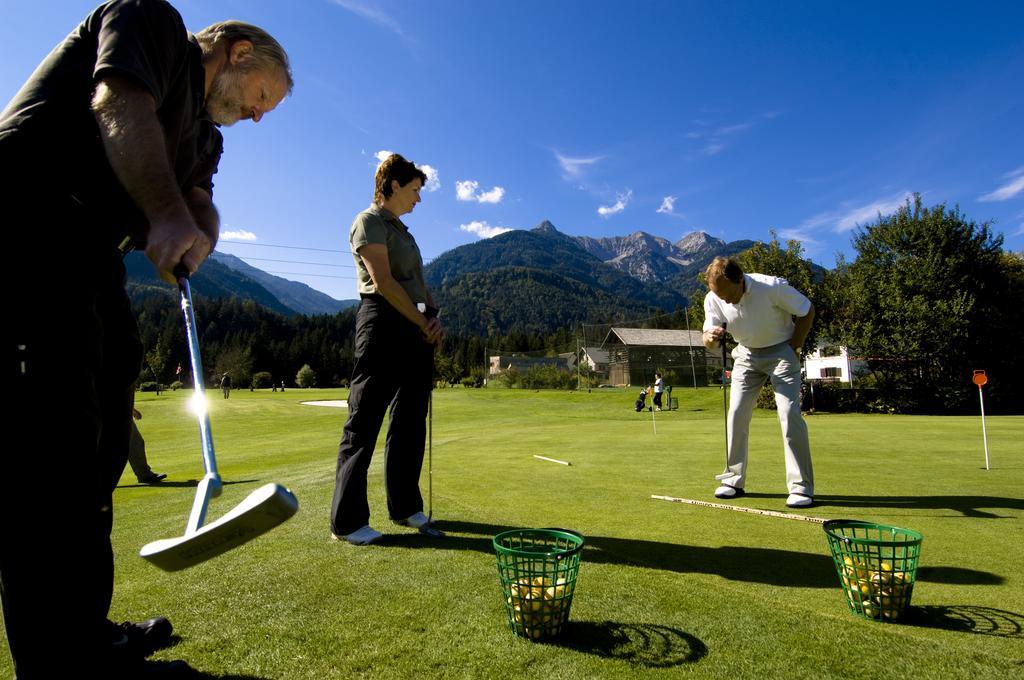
point(397, 330)
point(225, 385)
point(112, 143)
point(659, 386)
point(759, 312)
point(137, 456)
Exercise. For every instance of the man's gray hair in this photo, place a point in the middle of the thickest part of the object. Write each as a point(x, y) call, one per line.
point(267, 53)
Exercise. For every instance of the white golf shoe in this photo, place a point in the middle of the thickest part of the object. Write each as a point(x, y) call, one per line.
point(726, 491)
point(364, 536)
point(799, 500)
point(417, 521)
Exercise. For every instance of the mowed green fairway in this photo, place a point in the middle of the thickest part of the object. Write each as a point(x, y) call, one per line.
point(664, 590)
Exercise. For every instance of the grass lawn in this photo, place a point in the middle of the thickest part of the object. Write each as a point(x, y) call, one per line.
point(664, 590)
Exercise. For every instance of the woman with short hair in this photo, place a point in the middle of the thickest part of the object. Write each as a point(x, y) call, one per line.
point(397, 330)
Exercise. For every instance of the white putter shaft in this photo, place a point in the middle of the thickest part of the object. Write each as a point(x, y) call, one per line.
point(264, 509)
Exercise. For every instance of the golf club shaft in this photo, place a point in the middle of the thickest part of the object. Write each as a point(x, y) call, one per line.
point(430, 456)
point(725, 402)
point(210, 485)
point(209, 459)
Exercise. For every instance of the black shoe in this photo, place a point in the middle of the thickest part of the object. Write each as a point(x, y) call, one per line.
point(138, 640)
point(153, 478)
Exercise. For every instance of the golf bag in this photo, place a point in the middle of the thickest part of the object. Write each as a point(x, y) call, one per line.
point(641, 401)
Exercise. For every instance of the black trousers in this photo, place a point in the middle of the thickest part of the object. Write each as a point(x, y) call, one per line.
point(71, 353)
point(394, 367)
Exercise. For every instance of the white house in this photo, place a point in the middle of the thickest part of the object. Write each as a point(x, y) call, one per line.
point(596, 358)
point(832, 364)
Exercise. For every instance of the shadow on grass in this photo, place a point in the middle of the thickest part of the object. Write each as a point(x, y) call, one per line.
point(968, 619)
point(959, 576)
point(639, 644)
point(183, 484)
point(180, 670)
point(783, 568)
point(968, 506)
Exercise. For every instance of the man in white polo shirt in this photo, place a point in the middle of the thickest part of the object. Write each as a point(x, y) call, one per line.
point(759, 311)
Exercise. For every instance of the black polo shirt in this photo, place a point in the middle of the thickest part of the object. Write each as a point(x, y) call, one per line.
point(50, 144)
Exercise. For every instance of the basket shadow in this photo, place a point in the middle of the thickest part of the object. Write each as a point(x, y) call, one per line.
point(968, 619)
point(968, 506)
point(639, 644)
point(959, 576)
point(783, 568)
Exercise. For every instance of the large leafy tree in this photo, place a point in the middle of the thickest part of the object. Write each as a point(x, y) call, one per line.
point(1002, 343)
point(919, 302)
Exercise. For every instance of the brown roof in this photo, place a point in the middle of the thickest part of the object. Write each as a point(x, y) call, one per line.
point(655, 337)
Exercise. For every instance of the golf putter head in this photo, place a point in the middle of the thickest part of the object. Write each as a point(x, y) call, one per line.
point(264, 509)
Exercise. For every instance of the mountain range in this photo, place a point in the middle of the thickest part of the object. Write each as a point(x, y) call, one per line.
point(533, 281)
point(538, 280)
point(224, 275)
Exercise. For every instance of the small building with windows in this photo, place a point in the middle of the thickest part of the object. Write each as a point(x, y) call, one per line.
point(832, 363)
point(522, 362)
point(635, 354)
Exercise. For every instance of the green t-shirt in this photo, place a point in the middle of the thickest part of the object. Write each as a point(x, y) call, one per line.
point(377, 225)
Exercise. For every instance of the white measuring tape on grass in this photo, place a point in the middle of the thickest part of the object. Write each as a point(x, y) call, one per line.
point(737, 508)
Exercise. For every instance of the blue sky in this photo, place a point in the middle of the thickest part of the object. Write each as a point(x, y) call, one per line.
point(608, 118)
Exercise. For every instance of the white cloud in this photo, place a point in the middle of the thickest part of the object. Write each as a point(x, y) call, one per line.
point(1014, 186)
point(620, 205)
point(493, 196)
point(238, 235)
point(867, 213)
point(848, 217)
point(572, 167)
point(733, 129)
point(373, 14)
point(797, 234)
point(466, 190)
point(483, 230)
point(1020, 230)
point(668, 205)
point(719, 138)
point(433, 178)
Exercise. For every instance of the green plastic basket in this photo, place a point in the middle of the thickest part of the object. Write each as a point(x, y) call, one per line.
point(876, 564)
point(538, 569)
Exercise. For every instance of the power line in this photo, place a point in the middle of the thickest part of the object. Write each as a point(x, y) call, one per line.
point(318, 250)
point(323, 276)
point(318, 264)
point(271, 245)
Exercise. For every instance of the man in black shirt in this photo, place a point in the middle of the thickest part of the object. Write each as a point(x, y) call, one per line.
point(112, 143)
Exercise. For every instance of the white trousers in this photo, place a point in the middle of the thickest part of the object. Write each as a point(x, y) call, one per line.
point(751, 367)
